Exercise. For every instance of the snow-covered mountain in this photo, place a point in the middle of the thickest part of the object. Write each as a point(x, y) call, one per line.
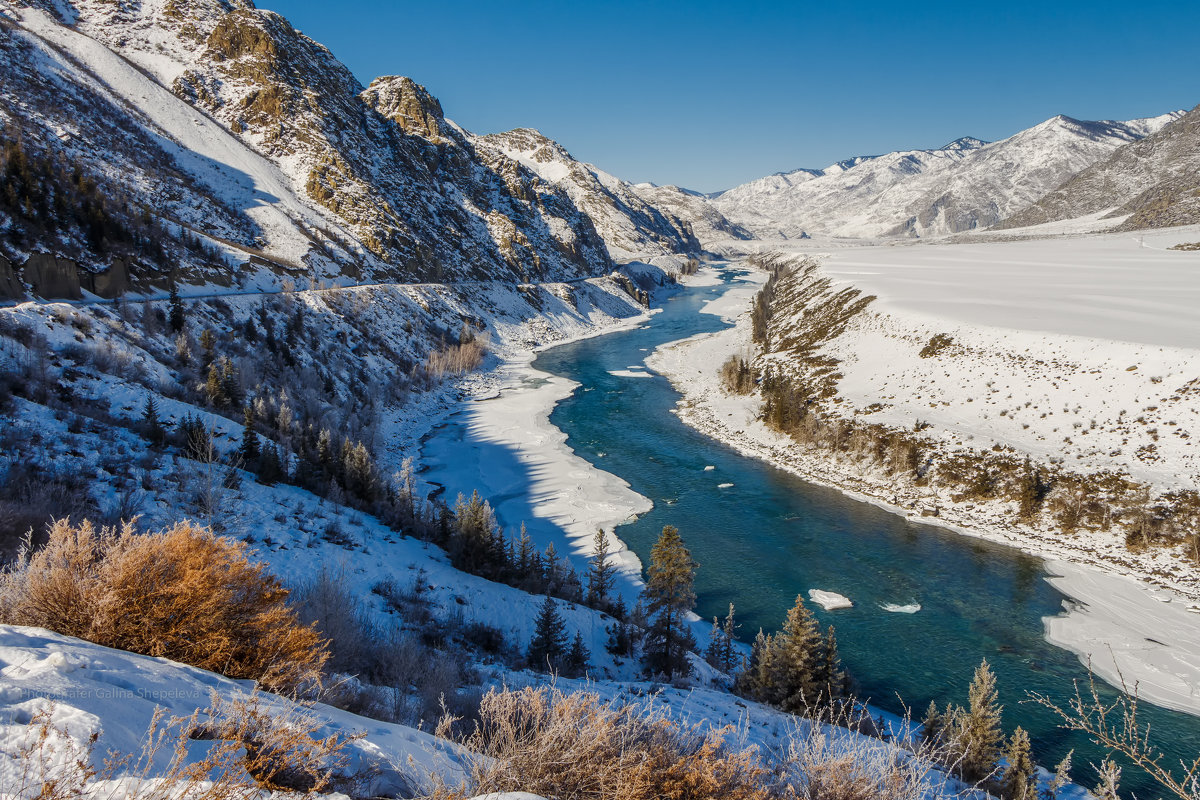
point(708, 224)
point(245, 152)
point(1155, 181)
point(967, 184)
point(629, 225)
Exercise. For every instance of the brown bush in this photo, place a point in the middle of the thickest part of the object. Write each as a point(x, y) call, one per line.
point(182, 594)
point(576, 747)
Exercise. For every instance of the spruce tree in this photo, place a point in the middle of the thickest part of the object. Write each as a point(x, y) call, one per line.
point(728, 637)
point(670, 595)
point(155, 432)
point(832, 676)
point(1020, 776)
point(249, 450)
point(795, 676)
point(1061, 779)
point(712, 654)
point(208, 346)
point(549, 641)
point(600, 572)
point(978, 737)
point(577, 658)
point(933, 724)
point(176, 318)
point(270, 466)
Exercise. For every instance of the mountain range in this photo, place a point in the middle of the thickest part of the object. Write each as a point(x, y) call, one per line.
point(209, 142)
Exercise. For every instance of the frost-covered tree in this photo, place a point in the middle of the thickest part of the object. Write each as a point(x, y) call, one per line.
point(670, 595)
point(1110, 782)
point(1061, 779)
point(978, 736)
point(794, 682)
point(1020, 775)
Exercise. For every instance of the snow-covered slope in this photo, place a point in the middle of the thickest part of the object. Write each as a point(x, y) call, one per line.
point(629, 225)
point(964, 186)
point(1153, 182)
point(840, 200)
point(708, 224)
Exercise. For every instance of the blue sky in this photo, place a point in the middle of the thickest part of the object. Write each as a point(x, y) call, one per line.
point(711, 94)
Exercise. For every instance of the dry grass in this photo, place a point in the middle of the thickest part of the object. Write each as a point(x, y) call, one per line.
point(578, 747)
point(254, 748)
point(182, 594)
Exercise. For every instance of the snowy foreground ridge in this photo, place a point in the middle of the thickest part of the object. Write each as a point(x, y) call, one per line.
point(84, 690)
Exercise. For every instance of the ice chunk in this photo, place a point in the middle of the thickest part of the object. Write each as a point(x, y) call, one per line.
point(724, 485)
point(896, 608)
point(829, 600)
point(709, 468)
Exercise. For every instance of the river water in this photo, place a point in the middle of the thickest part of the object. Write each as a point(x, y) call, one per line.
point(768, 536)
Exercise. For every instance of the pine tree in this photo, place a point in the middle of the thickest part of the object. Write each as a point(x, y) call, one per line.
point(270, 466)
point(600, 572)
point(552, 574)
point(1061, 779)
point(155, 432)
point(670, 595)
point(712, 654)
point(794, 681)
point(176, 318)
point(832, 676)
point(979, 736)
point(249, 450)
point(577, 658)
point(933, 724)
point(1020, 776)
point(756, 673)
point(728, 637)
point(526, 575)
point(549, 640)
point(208, 344)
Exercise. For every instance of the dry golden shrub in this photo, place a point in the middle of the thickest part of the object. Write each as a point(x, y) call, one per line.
point(577, 747)
point(254, 748)
point(182, 593)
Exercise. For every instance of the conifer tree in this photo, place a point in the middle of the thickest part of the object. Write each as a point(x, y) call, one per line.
point(600, 572)
point(552, 574)
point(712, 654)
point(249, 450)
point(549, 641)
point(155, 432)
point(755, 672)
point(933, 725)
point(270, 466)
point(176, 318)
point(208, 345)
point(526, 574)
point(797, 660)
point(978, 737)
point(1020, 776)
point(832, 676)
point(728, 637)
point(577, 658)
point(1061, 779)
point(670, 595)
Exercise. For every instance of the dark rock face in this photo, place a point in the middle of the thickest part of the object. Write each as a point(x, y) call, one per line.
point(52, 277)
point(10, 284)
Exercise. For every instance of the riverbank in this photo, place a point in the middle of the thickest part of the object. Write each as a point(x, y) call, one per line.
point(1096, 571)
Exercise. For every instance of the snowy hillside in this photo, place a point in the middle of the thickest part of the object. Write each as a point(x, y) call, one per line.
point(1151, 183)
point(708, 224)
point(232, 149)
point(630, 226)
point(964, 186)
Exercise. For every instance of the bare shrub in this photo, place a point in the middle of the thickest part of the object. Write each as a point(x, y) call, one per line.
point(737, 376)
point(182, 593)
point(457, 359)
